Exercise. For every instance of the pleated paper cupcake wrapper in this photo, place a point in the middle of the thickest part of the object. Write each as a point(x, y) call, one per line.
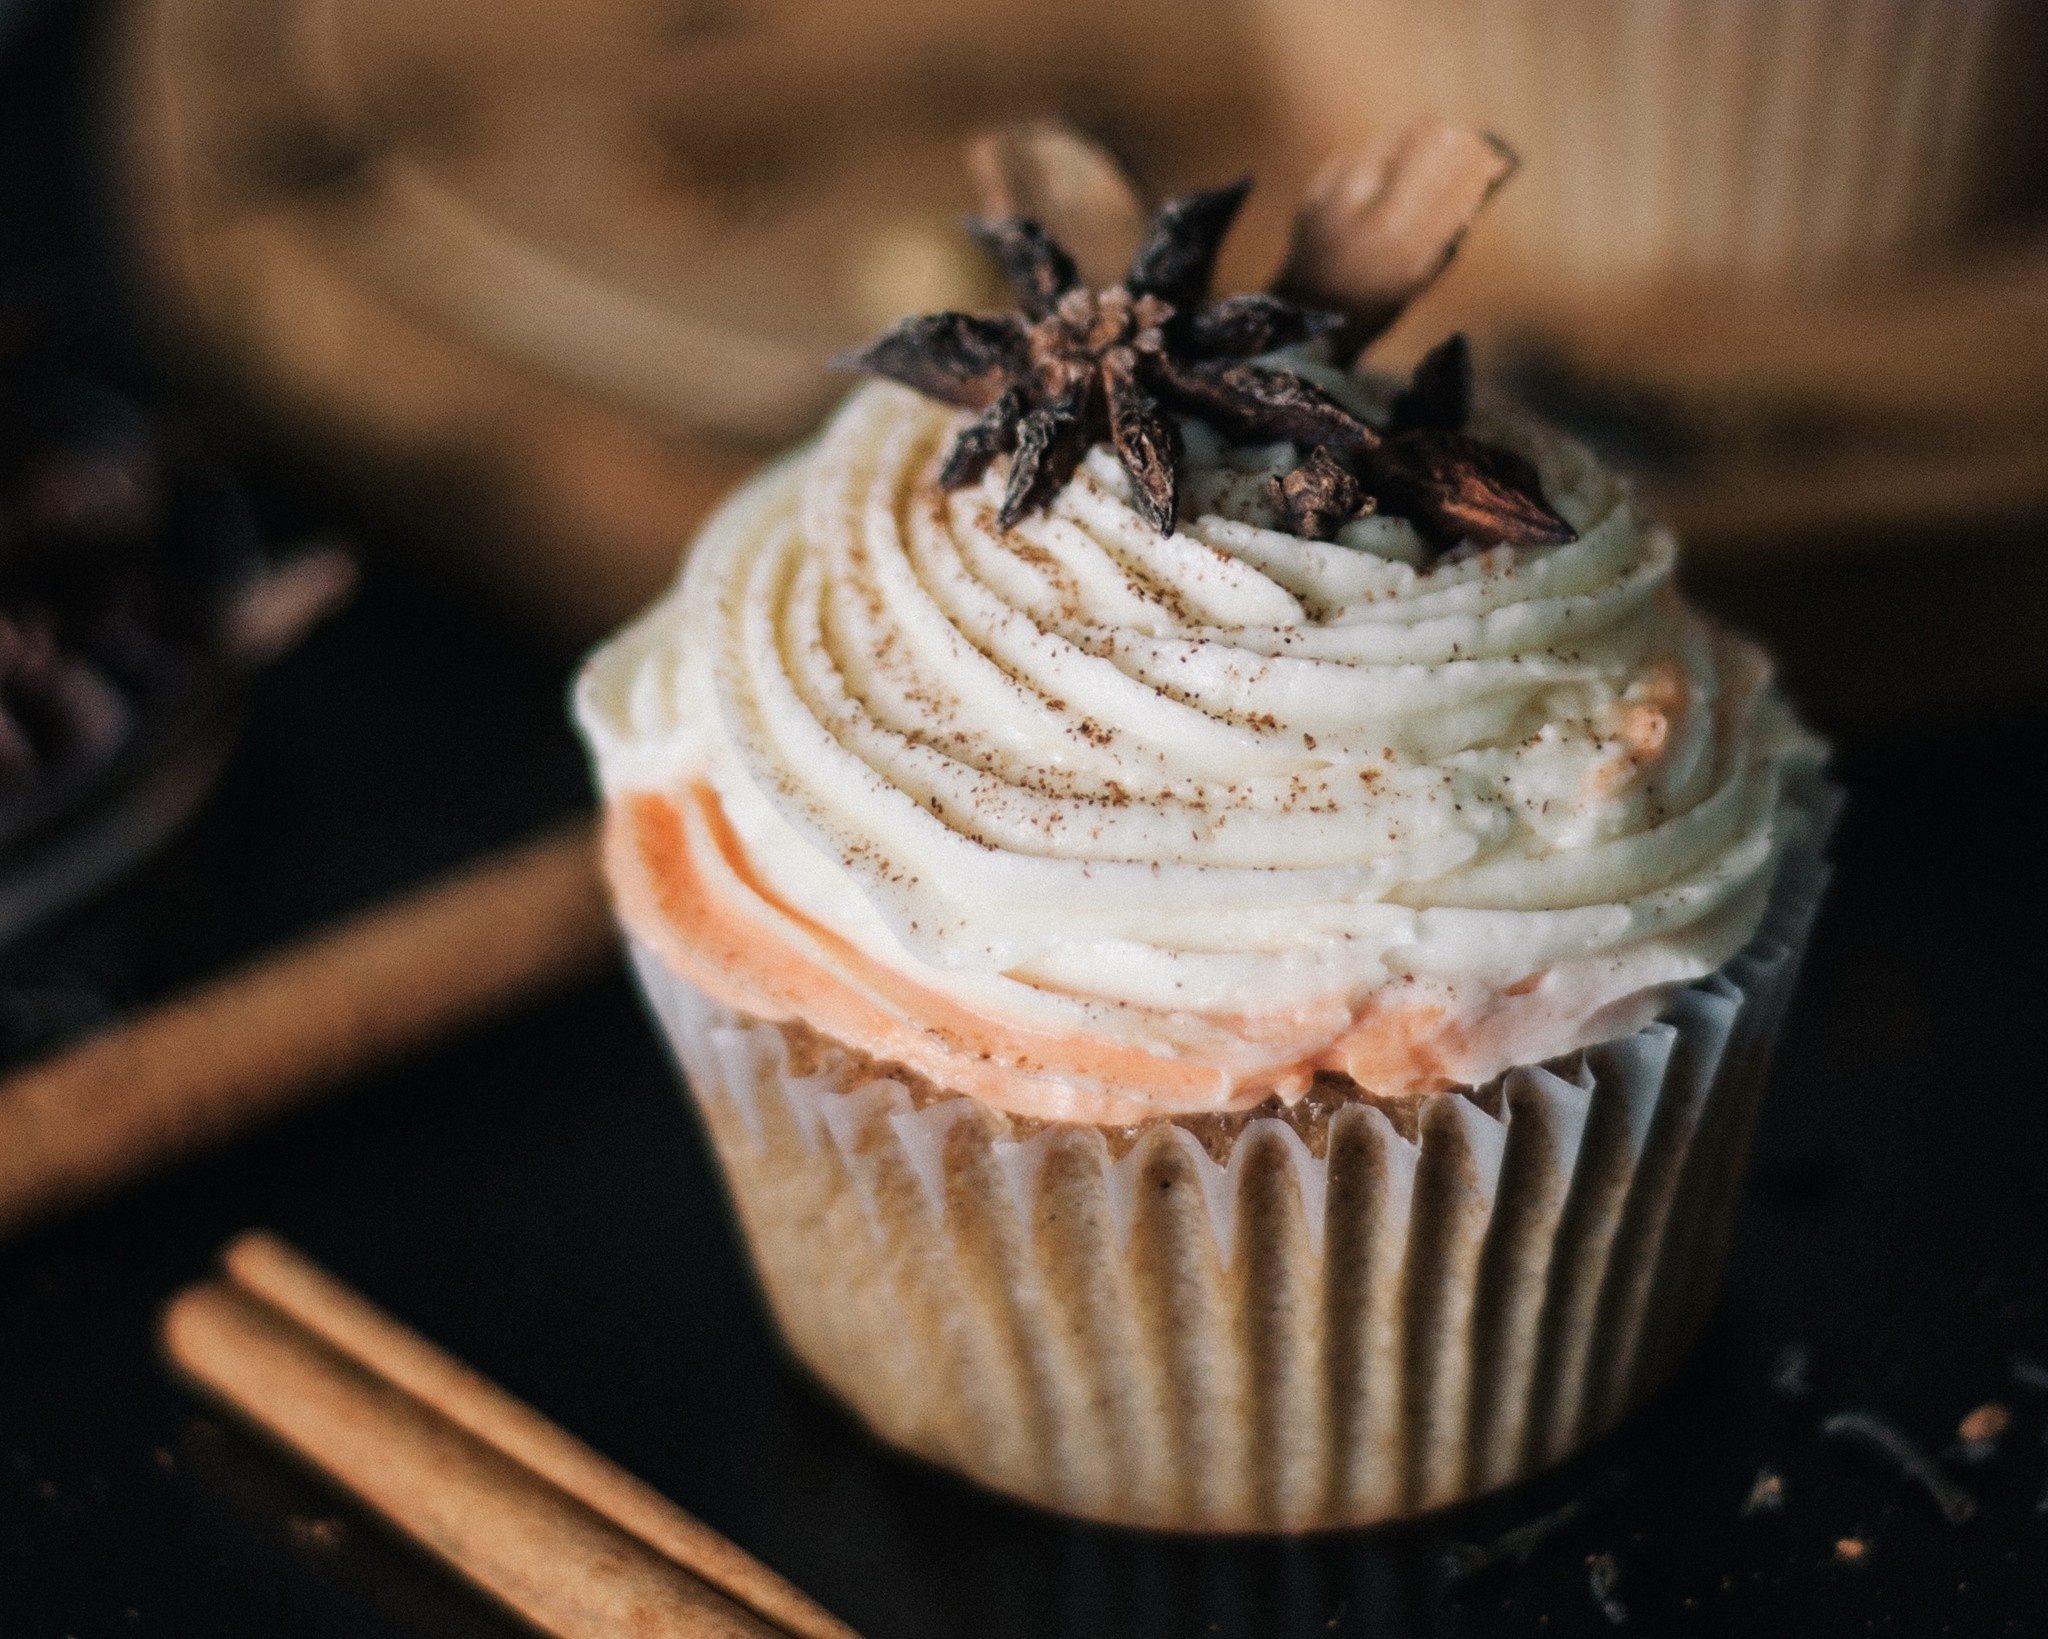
point(1772, 138)
point(1431, 1304)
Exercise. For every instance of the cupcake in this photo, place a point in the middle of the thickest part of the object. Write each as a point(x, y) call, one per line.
point(1771, 140)
point(1223, 917)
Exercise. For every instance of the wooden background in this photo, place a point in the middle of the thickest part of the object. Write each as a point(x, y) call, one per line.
point(537, 282)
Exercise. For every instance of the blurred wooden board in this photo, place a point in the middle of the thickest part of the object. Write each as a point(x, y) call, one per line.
point(549, 277)
point(546, 278)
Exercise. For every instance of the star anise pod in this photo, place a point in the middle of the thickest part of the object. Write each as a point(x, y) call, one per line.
point(1428, 469)
point(1081, 366)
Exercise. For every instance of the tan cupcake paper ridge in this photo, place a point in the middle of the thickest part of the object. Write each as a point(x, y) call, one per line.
point(1309, 1331)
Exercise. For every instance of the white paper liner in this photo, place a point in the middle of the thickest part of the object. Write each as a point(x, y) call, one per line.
point(1768, 138)
point(1282, 1340)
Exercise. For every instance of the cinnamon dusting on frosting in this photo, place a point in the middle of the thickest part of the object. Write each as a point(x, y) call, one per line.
point(1372, 841)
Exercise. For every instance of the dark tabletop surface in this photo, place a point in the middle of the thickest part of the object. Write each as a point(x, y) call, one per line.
point(538, 1199)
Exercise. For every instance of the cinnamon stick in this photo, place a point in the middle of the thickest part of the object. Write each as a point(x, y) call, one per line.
point(299, 1021)
point(1047, 170)
point(552, 1559)
point(262, 1264)
point(1377, 226)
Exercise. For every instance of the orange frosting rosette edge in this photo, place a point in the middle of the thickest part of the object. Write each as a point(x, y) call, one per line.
point(685, 887)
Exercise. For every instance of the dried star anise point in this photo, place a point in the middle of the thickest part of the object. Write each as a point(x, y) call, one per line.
point(1117, 364)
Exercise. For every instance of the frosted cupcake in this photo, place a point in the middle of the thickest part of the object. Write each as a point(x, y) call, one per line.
point(1222, 915)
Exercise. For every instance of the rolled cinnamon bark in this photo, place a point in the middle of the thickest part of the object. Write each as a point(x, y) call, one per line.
point(266, 1266)
point(301, 1020)
point(1377, 226)
point(554, 1560)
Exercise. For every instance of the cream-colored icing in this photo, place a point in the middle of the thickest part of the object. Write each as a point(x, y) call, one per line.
point(1229, 804)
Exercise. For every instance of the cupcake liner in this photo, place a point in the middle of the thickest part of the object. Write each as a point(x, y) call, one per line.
point(1770, 138)
point(1277, 1324)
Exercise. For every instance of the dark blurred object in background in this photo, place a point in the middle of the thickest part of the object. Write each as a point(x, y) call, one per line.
point(136, 597)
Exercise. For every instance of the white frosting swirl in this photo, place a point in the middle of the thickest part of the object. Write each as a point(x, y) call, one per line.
point(1221, 796)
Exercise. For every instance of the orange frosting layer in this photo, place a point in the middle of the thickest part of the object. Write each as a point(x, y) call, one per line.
point(685, 885)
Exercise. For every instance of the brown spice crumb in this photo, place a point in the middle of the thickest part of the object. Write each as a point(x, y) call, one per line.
point(1851, 1550)
point(1988, 1422)
point(1766, 1494)
point(1978, 1433)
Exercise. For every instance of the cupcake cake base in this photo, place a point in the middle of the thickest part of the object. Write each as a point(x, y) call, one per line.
point(1331, 1314)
